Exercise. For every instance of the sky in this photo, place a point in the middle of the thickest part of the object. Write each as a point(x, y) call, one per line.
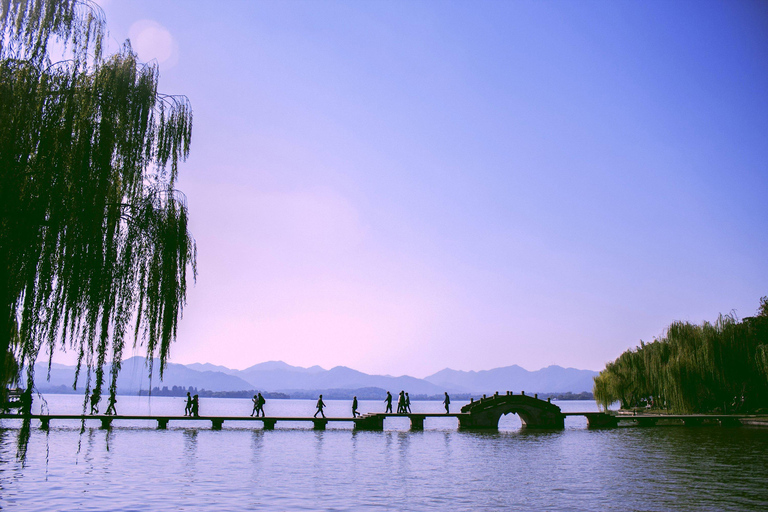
point(401, 187)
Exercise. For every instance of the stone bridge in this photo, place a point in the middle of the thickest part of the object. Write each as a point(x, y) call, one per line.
point(534, 413)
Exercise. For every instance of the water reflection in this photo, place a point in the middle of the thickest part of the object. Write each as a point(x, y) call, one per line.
point(318, 461)
point(447, 444)
point(257, 441)
point(403, 458)
point(190, 452)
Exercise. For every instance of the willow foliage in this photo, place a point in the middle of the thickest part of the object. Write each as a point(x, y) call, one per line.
point(695, 368)
point(94, 245)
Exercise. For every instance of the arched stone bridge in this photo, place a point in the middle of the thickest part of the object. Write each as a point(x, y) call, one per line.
point(534, 413)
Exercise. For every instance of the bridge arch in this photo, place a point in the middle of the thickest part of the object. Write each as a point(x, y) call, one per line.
point(534, 413)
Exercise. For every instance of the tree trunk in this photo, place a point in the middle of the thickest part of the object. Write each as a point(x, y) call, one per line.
point(5, 322)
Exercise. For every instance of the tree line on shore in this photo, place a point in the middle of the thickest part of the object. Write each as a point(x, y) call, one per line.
point(207, 393)
point(711, 367)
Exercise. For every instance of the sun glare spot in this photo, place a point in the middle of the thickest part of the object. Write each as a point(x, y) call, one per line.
point(152, 41)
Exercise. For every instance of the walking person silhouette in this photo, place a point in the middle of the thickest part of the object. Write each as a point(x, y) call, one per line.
point(111, 405)
point(95, 403)
point(194, 410)
point(389, 402)
point(260, 405)
point(407, 404)
point(25, 402)
point(188, 407)
point(355, 414)
point(401, 403)
point(447, 403)
point(255, 401)
point(320, 405)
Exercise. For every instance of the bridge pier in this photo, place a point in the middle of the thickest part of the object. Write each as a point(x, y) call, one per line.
point(369, 422)
point(646, 422)
point(45, 423)
point(106, 423)
point(601, 420)
point(268, 424)
point(473, 423)
point(216, 423)
point(417, 422)
point(319, 424)
point(730, 422)
point(162, 423)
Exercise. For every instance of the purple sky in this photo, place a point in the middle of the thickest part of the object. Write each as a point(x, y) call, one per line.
point(401, 187)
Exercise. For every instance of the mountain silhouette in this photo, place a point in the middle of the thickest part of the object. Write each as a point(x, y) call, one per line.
point(554, 379)
point(277, 376)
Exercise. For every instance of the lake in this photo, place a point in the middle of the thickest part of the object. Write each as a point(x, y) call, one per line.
point(134, 467)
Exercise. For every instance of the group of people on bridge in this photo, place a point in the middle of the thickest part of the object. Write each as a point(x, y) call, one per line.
point(96, 398)
point(258, 405)
point(403, 405)
point(193, 406)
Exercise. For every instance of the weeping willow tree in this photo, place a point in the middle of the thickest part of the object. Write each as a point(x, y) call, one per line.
point(94, 246)
point(695, 368)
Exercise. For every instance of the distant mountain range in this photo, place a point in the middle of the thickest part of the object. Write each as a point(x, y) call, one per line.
point(514, 378)
point(277, 376)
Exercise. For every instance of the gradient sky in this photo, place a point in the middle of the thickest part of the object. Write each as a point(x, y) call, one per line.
point(401, 187)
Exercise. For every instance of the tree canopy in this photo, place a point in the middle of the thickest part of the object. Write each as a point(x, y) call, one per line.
point(695, 368)
point(94, 245)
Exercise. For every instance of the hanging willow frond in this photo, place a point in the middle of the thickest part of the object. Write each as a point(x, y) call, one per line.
point(93, 234)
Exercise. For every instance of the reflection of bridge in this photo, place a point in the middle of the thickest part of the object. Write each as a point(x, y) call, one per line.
point(483, 414)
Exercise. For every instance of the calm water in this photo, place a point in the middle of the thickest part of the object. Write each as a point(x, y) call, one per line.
point(134, 467)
